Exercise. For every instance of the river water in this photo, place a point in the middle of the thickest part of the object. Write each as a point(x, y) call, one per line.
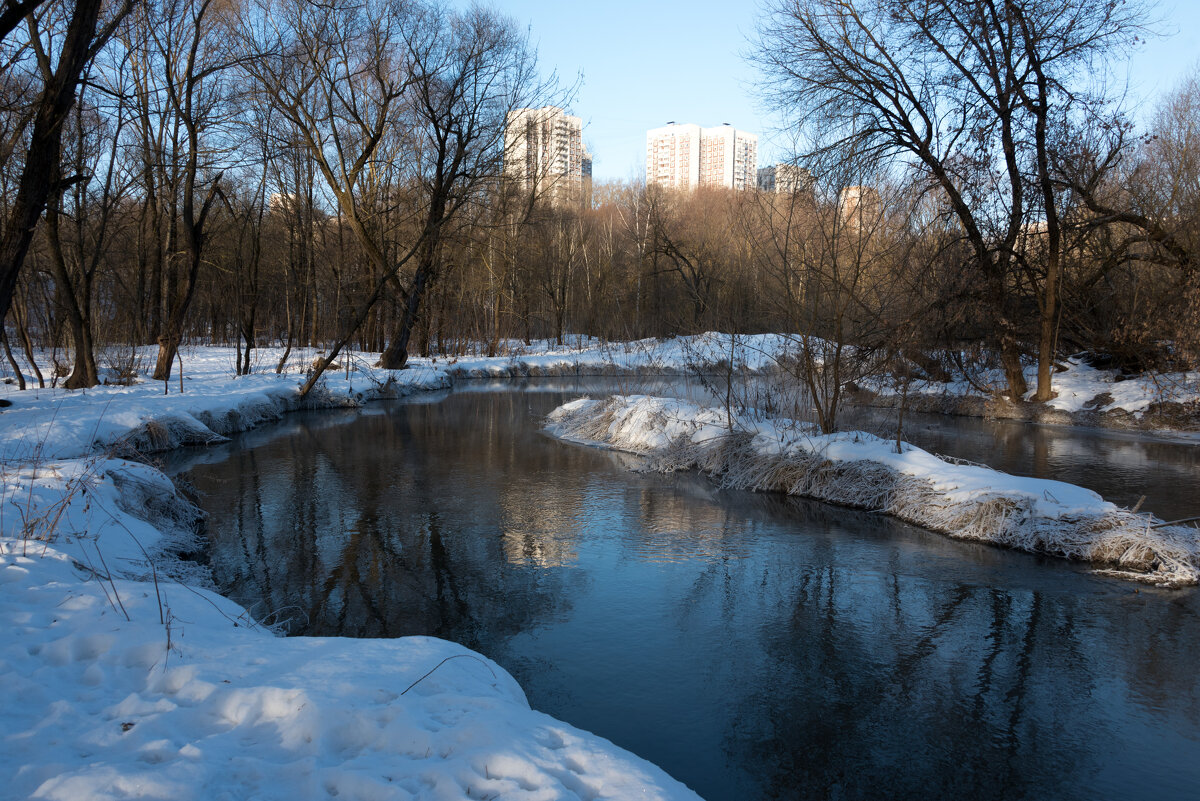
point(751, 645)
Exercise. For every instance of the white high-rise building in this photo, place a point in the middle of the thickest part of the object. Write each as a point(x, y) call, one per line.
point(673, 156)
point(728, 158)
point(686, 156)
point(544, 152)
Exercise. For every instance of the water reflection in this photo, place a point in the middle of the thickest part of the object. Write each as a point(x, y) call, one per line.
point(754, 646)
point(1121, 466)
point(922, 689)
point(344, 530)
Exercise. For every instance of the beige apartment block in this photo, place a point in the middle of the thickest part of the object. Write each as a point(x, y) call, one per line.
point(785, 179)
point(686, 156)
point(544, 153)
point(860, 207)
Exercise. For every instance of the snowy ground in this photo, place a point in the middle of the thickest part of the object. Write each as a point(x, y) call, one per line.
point(1082, 387)
point(119, 685)
point(1078, 388)
point(582, 355)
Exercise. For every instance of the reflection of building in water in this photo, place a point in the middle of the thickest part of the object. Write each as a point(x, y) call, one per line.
point(534, 530)
point(685, 524)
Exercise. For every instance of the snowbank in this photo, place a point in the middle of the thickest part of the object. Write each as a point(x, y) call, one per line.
point(757, 353)
point(147, 416)
point(123, 682)
point(1084, 388)
point(118, 690)
point(861, 470)
point(1083, 395)
point(57, 423)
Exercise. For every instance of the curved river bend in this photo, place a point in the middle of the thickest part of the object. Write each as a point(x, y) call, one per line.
point(753, 646)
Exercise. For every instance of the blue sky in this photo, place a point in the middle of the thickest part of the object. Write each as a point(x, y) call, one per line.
point(636, 76)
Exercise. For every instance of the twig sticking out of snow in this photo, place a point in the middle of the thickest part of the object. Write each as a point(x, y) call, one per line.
point(444, 661)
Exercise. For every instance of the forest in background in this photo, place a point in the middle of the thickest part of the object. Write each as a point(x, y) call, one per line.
point(246, 172)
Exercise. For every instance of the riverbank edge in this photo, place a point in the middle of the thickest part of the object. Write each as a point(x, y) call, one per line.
point(202, 419)
point(784, 457)
point(1160, 418)
point(1164, 418)
point(138, 492)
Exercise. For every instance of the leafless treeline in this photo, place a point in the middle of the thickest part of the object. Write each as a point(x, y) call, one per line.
point(327, 174)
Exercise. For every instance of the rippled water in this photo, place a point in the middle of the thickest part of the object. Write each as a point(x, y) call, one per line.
point(753, 646)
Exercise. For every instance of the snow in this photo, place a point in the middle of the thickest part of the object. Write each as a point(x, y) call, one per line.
point(748, 450)
point(123, 683)
point(208, 706)
point(1081, 386)
point(1077, 388)
point(61, 423)
point(648, 425)
point(57, 423)
point(586, 356)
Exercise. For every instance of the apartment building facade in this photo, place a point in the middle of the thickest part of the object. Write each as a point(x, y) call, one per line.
point(785, 178)
point(544, 153)
point(860, 207)
point(685, 156)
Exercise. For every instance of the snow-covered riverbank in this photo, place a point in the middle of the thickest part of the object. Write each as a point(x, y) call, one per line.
point(125, 683)
point(1084, 395)
point(747, 451)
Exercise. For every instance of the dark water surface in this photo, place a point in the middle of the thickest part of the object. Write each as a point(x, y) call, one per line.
point(753, 646)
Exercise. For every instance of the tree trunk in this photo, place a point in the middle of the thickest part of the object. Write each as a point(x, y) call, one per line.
point(1045, 374)
point(168, 346)
point(27, 343)
point(1049, 296)
point(12, 360)
point(75, 298)
point(396, 355)
point(84, 372)
point(45, 147)
point(1014, 373)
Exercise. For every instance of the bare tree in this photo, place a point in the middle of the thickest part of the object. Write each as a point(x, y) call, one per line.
point(430, 86)
point(190, 42)
point(1138, 232)
point(90, 205)
point(476, 69)
point(337, 74)
point(82, 34)
point(837, 267)
point(13, 12)
point(966, 92)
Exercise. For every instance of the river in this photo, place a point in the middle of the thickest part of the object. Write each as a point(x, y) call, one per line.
point(751, 645)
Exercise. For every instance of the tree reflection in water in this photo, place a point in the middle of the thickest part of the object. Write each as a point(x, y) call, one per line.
point(347, 531)
point(753, 646)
